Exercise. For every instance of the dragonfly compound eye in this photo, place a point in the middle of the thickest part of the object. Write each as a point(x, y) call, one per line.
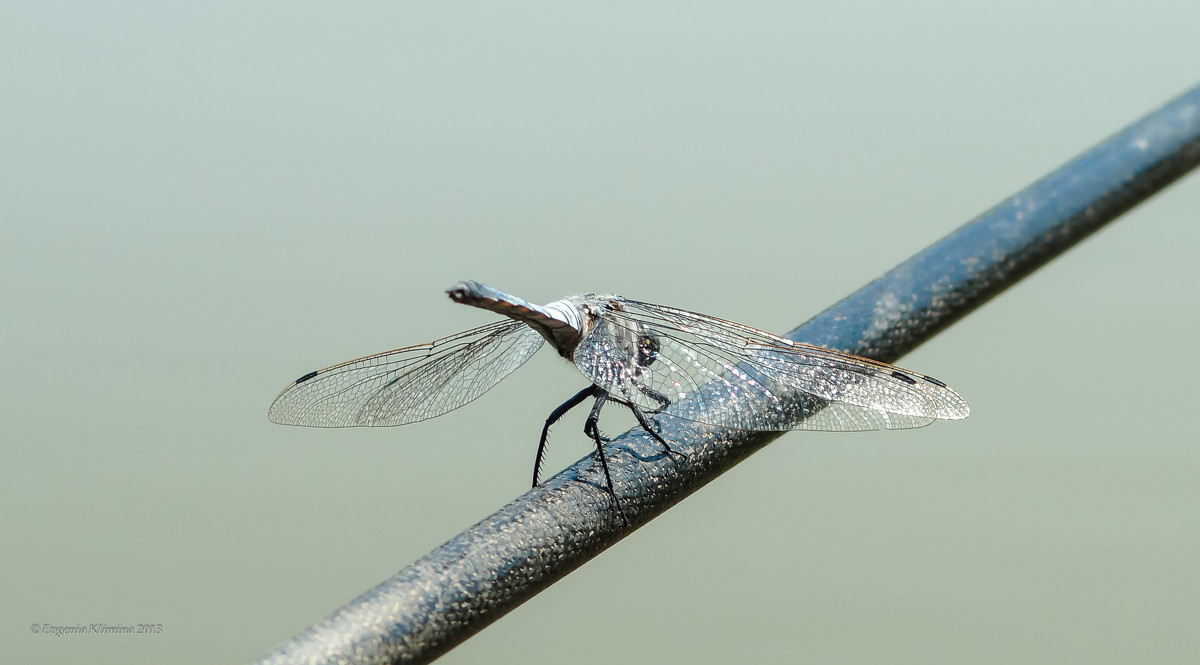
point(647, 349)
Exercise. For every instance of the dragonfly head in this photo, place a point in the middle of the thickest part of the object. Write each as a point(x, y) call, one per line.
point(647, 348)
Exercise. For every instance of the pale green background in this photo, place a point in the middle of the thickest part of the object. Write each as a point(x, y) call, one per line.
point(200, 203)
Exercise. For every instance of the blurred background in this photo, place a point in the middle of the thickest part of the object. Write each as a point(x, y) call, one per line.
point(201, 203)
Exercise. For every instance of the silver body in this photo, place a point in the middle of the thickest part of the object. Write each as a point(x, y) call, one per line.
point(661, 360)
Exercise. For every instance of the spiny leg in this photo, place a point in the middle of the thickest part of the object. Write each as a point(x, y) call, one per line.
point(591, 428)
point(663, 400)
point(590, 391)
point(645, 423)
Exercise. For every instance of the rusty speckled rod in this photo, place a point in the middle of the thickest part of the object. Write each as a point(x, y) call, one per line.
point(489, 569)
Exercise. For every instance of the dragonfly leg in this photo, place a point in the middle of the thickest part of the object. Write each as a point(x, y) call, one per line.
point(663, 400)
point(645, 423)
point(591, 429)
point(590, 391)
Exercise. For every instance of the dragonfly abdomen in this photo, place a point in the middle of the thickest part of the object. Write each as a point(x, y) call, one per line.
point(559, 322)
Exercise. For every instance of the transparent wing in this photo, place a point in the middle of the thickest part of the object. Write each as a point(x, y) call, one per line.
point(726, 374)
point(410, 384)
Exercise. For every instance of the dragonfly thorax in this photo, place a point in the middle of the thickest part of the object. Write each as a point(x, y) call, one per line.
point(636, 342)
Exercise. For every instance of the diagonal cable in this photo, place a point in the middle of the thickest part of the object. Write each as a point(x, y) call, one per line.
point(492, 567)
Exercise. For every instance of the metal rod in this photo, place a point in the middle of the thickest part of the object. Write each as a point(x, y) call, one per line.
point(489, 569)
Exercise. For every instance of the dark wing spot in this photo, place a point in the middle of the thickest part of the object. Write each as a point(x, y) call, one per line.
point(306, 377)
point(936, 382)
point(904, 377)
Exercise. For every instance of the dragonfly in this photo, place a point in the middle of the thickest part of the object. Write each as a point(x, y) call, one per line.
point(657, 361)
